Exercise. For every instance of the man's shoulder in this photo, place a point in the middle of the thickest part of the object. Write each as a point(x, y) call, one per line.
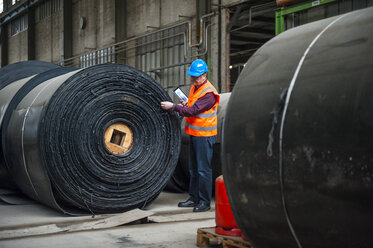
point(211, 85)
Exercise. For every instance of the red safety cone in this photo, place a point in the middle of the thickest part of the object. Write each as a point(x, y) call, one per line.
point(225, 222)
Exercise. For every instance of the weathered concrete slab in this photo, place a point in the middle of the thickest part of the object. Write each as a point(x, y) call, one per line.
point(161, 235)
point(182, 217)
point(177, 227)
point(103, 222)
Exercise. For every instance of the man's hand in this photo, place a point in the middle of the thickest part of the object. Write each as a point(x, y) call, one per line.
point(184, 103)
point(167, 105)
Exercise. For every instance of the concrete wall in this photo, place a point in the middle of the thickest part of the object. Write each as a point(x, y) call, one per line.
point(145, 16)
point(84, 40)
point(17, 47)
point(219, 77)
point(99, 32)
point(48, 37)
point(106, 23)
point(100, 25)
point(141, 16)
point(159, 13)
point(221, 80)
point(213, 51)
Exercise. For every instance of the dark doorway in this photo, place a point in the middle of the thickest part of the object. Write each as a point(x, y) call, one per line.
point(251, 25)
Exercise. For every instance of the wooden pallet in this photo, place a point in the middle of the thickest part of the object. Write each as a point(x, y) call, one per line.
point(206, 237)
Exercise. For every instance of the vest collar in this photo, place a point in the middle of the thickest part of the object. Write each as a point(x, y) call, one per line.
point(197, 87)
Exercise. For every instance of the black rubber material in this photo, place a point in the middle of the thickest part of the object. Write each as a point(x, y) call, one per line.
point(19, 70)
point(14, 197)
point(12, 79)
point(179, 182)
point(14, 100)
point(327, 144)
point(59, 128)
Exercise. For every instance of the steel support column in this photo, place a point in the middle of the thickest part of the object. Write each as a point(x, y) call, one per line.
point(31, 34)
point(4, 44)
point(67, 29)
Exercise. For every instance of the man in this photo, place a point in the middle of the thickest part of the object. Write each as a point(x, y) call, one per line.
point(200, 113)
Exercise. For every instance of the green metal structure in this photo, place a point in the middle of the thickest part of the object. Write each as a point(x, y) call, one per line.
point(283, 11)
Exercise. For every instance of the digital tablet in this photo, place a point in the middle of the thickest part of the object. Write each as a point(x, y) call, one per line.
point(180, 94)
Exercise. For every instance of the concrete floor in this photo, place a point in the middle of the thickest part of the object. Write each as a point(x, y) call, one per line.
point(169, 226)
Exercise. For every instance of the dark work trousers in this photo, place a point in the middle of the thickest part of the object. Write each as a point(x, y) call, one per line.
point(200, 170)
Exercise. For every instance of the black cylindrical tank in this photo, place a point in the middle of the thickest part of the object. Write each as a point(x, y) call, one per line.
point(298, 137)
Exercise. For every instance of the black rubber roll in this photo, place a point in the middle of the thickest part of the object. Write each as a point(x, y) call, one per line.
point(297, 139)
point(12, 78)
point(179, 181)
point(19, 70)
point(60, 153)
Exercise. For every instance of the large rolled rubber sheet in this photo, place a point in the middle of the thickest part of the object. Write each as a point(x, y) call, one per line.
point(9, 74)
point(297, 153)
point(63, 138)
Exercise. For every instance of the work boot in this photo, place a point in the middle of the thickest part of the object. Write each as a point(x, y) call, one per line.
point(201, 208)
point(187, 204)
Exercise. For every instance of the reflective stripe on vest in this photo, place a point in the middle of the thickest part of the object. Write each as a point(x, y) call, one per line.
point(204, 124)
point(206, 115)
point(208, 88)
point(201, 128)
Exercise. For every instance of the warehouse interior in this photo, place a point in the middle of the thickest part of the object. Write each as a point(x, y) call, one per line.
point(158, 40)
point(151, 36)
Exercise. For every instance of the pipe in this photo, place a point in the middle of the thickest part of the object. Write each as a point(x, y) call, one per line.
point(129, 40)
point(205, 47)
point(202, 24)
point(187, 44)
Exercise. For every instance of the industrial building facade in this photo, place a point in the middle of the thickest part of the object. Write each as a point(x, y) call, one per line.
point(159, 37)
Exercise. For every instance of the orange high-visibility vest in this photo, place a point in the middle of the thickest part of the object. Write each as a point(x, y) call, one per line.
point(204, 124)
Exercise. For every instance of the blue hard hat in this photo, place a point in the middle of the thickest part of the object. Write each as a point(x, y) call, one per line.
point(197, 68)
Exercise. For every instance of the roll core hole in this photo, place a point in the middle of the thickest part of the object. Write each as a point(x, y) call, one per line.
point(118, 138)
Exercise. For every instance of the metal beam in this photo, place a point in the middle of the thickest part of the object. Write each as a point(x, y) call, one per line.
point(12, 12)
point(264, 19)
point(244, 47)
point(282, 12)
point(67, 29)
point(255, 30)
point(4, 44)
point(250, 39)
point(249, 35)
point(245, 52)
point(120, 20)
point(31, 34)
point(234, 18)
point(254, 23)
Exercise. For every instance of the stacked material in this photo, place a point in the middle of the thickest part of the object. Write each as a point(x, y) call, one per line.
point(94, 139)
